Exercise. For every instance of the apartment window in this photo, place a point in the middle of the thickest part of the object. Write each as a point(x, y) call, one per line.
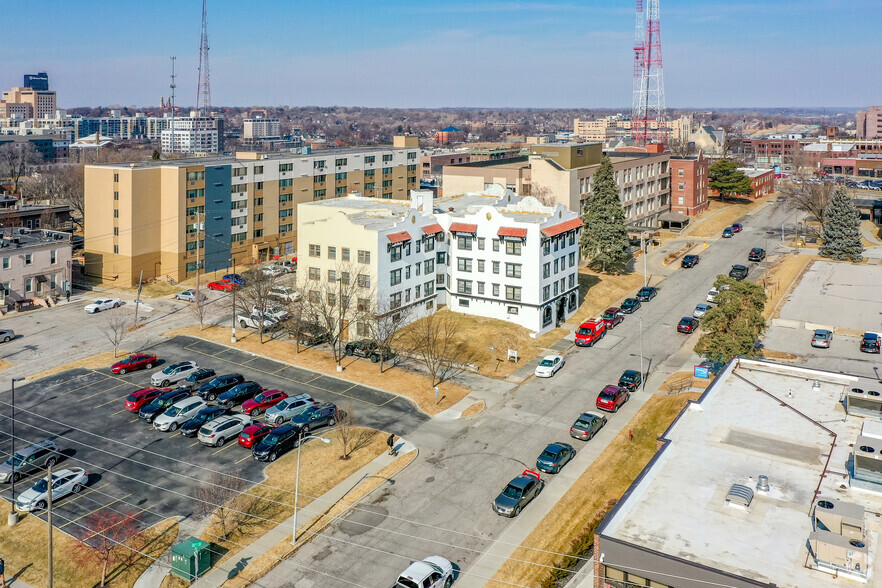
point(464, 242)
point(512, 293)
point(116, 248)
point(258, 169)
point(681, 185)
point(320, 179)
point(340, 191)
point(407, 272)
point(572, 259)
point(28, 258)
point(464, 264)
point(387, 171)
point(318, 194)
point(5, 263)
point(407, 295)
point(368, 186)
point(396, 253)
point(429, 244)
point(315, 250)
point(572, 280)
point(194, 176)
point(285, 167)
point(364, 304)
point(496, 289)
point(315, 273)
point(680, 172)
point(556, 266)
point(332, 276)
point(546, 247)
point(344, 277)
point(362, 329)
point(116, 195)
point(258, 202)
point(418, 268)
point(258, 217)
point(197, 193)
point(480, 287)
point(286, 213)
point(395, 300)
point(364, 256)
point(236, 220)
point(429, 266)
point(513, 270)
point(345, 253)
point(428, 287)
point(464, 286)
point(495, 244)
point(463, 302)
point(546, 293)
point(115, 213)
point(340, 161)
point(332, 253)
point(286, 228)
point(387, 195)
point(313, 296)
point(340, 176)
point(239, 171)
point(29, 284)
point(258, 185)
point(411, 154)
point(387, 157)
point(495, 267)
point(318, 164)
point(52, 257)
point(258, 233)
point(332, 299)
point(286, 183)
point(480, 265)
point(395, 277)
point(369, 158)
point(387, 183)
point(238, 237)
point(369, 173)
point(513, 247)
point(441, 257)
point(364, 281)
point(115, 177)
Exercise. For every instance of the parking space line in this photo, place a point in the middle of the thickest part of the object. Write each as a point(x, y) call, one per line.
point(93, 511)
point(224, 448)
point(101, 392)
point(244, 458)
point(72, 390)
point(119, 411)
point(194, 443)
point(135, 420)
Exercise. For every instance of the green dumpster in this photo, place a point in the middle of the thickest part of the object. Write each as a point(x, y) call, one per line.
point(191, 559)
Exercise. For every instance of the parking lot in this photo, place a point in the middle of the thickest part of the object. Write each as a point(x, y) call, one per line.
point(134, 468)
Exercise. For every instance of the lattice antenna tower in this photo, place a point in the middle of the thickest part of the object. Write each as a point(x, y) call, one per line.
point(203, 96)
point(649, 119)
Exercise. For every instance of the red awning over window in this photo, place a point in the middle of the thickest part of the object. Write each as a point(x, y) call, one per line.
point(432, 229)
point(563, 227)
point(512, 232)
point(463, 228)
point(399, 237)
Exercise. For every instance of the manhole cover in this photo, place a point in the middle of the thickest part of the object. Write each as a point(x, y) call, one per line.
point(363, 519)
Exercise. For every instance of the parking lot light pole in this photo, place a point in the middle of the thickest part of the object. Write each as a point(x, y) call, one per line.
point(642, 373)
point(12, 519)
point(297, 478)
point(233, 337)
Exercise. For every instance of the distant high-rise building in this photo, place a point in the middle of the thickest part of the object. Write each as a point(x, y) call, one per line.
point(37, 81)
point(41, 102)
point(869, 123)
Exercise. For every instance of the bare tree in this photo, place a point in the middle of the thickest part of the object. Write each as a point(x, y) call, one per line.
point(255, 297)
point(333, 302)
point(201, 311)
point(542, 194)
point(386, 324)
point(800, 193)
point(114, 325)
point(683, 148)
point(16, 159)
point(224, 498)
point(435, 342)
point(104, 537)
point(352, 437)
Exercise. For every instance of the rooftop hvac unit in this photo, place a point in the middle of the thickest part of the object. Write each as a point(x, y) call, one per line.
point(762, 484)
point(739, 496)
point(866, 403)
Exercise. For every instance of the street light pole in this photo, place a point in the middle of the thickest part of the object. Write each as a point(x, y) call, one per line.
point(642, 373)
point(233, 338)
point(49, 521)
point(643, 252)
point(12, 519)
point(300, 441)
point(340, 335)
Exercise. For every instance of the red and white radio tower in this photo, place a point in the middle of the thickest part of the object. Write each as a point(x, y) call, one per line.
point(649, 119)
point(203, 95)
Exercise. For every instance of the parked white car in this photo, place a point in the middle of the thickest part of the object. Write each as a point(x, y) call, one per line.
point(289, 267)
point(549, 366)
point(217, 432)
point(273, 271)
point(284, 293)
point(179, 413)
point(173, 373)
point(432, 572)
point(64, 482)
point(701, 310)
point(188, 295)
point(103, 304)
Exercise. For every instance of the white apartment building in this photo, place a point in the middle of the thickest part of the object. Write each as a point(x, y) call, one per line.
point(261, 128)
point(489, 254)
point(193, 134)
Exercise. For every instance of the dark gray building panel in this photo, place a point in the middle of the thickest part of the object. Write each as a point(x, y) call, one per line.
point(217, 217)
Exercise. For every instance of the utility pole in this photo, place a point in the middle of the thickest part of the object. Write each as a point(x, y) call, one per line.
point(340, 336)
point(138, 298)
point(49, 520)
point(233, 338)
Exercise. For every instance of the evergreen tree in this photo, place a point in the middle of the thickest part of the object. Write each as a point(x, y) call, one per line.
point(726, 178)
point(842, 229)
point(732, 327)
point(604, 237)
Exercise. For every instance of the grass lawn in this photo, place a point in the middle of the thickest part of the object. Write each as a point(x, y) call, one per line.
point(606, 479)
point(412, 385)
point(718, 216)
point(321, 469)
point(25, 550)
point(600, 291)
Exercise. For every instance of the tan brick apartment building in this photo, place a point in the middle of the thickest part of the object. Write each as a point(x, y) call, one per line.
point(689, 184)
point(146, 216)
point(39, 103)
point(869, 123)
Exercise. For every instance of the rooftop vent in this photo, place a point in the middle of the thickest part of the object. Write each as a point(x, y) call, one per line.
point(739, 496)
point(763, 484)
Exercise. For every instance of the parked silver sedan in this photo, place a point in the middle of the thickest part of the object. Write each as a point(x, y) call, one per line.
point(173, 373)
point(64, 482)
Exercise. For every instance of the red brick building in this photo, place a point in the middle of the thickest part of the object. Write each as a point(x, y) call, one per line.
point(449, 135)
point(762, 180)
point(689, 184)
point(772, 152)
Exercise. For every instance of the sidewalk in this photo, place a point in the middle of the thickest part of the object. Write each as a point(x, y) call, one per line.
point(152, 578)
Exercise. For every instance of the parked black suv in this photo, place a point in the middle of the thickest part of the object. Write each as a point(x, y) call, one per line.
point(160, 403)
point(217, 386)
point(206, 415)
point(369, 349)
point(756, 254)
point(690, 261)
point(738, 272)
point(312, 334)
point(630, 379)
point(317, 415)
point(239, 394)
point(277, 442)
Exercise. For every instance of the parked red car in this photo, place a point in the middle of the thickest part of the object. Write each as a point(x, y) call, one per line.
point(612, 316)
point(612, 397)
point(136, 361)
point(263, 401)
point(143, 397)
point(252, 435)
point(225, 285)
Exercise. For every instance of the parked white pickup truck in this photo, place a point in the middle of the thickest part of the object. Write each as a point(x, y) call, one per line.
point(254, 321)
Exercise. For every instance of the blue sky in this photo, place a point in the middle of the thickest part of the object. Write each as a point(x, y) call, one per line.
point(422, 53)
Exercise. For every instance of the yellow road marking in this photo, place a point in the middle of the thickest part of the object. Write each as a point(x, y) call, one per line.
point(102, 392)
point(117, 399)
point(93, 511)
point(226, 446)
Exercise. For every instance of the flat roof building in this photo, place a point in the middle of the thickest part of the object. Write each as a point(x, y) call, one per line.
point(752, 486)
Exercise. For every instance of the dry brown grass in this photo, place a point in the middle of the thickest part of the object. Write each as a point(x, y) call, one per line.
point(99, 360)
point(320, 470)
point(779, 355)
point(718, 217)
point(411, 385)
point(473, 409)
point(781, 277)
point(24, 549)
point(676, 378)
point(5, 365)
point(266, 562)
point(601, 291)
point(606, 479)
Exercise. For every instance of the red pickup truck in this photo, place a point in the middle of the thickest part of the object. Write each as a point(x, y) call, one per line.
point(590, 332)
